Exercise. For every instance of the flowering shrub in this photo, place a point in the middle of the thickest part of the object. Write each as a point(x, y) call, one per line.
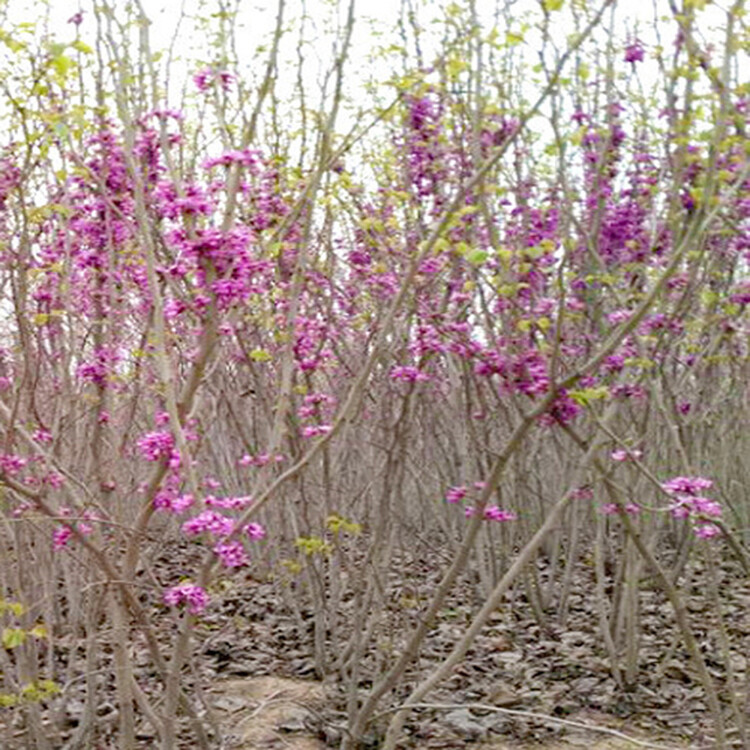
point(240, 321)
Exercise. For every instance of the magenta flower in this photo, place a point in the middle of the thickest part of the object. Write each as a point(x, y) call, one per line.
point(493, 513)
point(409, 374)
point(456, 494)
point(634, 52)
point(706, 530)
point(233, 503)
point(156, 445)
point(210, 521)
point(231, 554)
point(208, 77)
point(187, 593)
point(255, 531)
point(61, 537)
point(315, 430)
point(623, 455)
point(686, 485)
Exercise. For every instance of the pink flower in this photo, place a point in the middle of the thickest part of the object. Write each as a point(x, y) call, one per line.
point(187, 593)
point(314, 430)
point(493, 513)
point(61, 536)
point(623, 455)
point(706, 507)
point(231, 554)
point(42, 436)
point(210, 521)
point(409, 374)
point(255, 531)
point(181, 503)
point(610, 509)
point(680, 510)
point(207, 77)
point(54, 480)
point(456, 494)
point(233, 503)
point(686, 485)
point(156, 445)
point(706, 530)
point(634, 52)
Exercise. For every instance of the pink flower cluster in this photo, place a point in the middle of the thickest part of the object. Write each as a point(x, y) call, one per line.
point(156, 445)
point(315, 430)
point(210, 521)
point(620, 454)
point(233, 503)
point(187, 593)
point(63, 533)
point(255, 531)
point(612, 509)
point(494, 513)
point(409, 374)
point(491, 513)
point(260, 460)
point(634, 52)
point(231, 554)
point(207, 77)
point(249, 158)
point(456, 494)
point(689, 503)
point(166, 500)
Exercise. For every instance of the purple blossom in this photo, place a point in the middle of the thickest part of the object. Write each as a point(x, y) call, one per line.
point(409, 374)
point(706, 530)
point(456, 494)
point(634, 52)
point(255, 531)
point(315, 430)
point(156, 445)
point(494, 513)
point(187, 593)
point(210, 521)
point(233, 503)
point(207, 77)
point(231, 554)
point(61, 536)
point(686, 485)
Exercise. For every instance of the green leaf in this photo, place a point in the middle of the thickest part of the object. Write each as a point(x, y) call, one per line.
point(552, 5)
point(38, 631)
point(82, 47)
point(477, 257)
point(13, 637)
point(62, 64)
point(260, 355)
